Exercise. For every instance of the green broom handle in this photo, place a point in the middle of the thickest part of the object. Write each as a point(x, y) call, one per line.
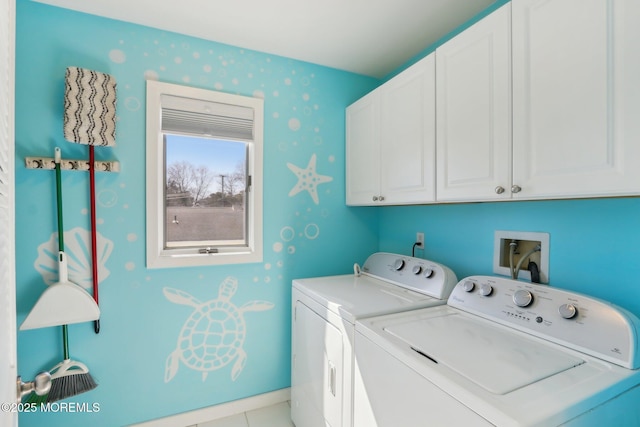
point(65, 341)
point(59, 206)
point(65, 331)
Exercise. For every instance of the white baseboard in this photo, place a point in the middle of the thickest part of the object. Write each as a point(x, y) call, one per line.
point(220, 411)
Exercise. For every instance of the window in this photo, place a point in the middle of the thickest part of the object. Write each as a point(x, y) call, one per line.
point(204, 177)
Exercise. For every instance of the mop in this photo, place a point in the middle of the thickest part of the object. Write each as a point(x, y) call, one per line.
point(89, 118)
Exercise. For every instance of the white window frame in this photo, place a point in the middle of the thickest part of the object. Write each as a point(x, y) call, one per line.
point(157, 255)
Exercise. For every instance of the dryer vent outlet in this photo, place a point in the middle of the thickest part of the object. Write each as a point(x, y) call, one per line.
point(527, 247)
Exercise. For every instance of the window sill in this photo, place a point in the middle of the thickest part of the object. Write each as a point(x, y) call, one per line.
point(172, 259)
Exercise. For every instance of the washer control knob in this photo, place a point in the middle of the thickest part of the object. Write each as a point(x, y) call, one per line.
point(522, 298)
point(428, 272)
point(568, 311)
point(416, 269)
point(399, 265)
point(468, 286)
point(486, 290)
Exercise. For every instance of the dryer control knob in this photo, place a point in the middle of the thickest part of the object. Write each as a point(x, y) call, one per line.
point(416, 269)
point(486, 290)
point(468, 286)
point(399, 265)
point(522, 298)
point(428, 272)
point(568, 311)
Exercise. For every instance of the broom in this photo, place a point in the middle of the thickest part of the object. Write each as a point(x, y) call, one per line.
point(69, 377)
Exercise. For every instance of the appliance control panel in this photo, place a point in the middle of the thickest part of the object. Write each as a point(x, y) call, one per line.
point(574, 320)
point(417, 274)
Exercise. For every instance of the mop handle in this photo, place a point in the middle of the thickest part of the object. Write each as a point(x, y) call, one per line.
point(94, 243)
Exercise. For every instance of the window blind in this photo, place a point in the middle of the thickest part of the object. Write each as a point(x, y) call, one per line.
point(196, 117)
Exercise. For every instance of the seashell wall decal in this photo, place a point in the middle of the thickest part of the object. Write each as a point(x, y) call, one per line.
point(78, 250)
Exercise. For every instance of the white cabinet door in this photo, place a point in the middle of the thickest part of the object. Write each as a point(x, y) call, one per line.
point(408, 135)
point(576, 97)
point(473, 74)
point(391, 140)
point(317, 374)
point(363, 150)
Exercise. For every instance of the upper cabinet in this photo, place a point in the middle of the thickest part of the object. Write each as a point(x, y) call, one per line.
point(390, 149)
point(363, 150)
point(473, 92)
point(538, 100)
point(576, 98)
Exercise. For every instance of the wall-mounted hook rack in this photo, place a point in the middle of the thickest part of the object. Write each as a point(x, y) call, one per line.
point(48, 163)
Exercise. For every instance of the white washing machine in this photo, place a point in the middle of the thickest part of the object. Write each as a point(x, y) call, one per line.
point(500, 353)
point(325, 310)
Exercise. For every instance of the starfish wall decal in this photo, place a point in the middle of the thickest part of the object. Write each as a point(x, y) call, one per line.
point(308, 179)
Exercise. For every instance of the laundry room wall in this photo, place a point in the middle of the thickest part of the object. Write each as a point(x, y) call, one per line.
point(304, 120)
point(593, 242)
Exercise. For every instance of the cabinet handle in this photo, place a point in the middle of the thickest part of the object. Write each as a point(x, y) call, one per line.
point(375, 198)
point(332, 378)
point(381, 198)
point(499, 190)
point(515, 189)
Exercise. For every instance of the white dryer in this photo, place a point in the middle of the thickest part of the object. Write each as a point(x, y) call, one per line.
point(325, 310)
point(500, 353)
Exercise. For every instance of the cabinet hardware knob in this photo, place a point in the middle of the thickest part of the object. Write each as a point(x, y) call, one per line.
point(381, 198)
point(375, 198)
point(499, 189)
point(515, 188)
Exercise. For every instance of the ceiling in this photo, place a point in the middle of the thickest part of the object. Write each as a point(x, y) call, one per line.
point(369, 37)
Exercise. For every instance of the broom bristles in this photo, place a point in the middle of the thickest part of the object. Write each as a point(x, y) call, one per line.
point(70, 385)
point(63, 388)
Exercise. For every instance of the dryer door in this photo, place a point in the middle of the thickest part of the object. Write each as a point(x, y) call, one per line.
point(317, 371)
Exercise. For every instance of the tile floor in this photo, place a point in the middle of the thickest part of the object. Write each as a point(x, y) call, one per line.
point(278, 415)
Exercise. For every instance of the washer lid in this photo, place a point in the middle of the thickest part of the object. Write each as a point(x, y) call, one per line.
point(353, 297)
point(494, 357)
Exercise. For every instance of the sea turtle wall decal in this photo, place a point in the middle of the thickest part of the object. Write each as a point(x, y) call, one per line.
point(213, 336)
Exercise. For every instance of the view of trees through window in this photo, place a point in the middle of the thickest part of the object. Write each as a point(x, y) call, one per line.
point(205, 191)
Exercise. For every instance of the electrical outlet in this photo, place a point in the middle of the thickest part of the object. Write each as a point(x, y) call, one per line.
point(420, 240)
point(513, 248)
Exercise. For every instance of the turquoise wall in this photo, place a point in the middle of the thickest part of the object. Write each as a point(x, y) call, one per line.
point(594, 243)
point(304, 117)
